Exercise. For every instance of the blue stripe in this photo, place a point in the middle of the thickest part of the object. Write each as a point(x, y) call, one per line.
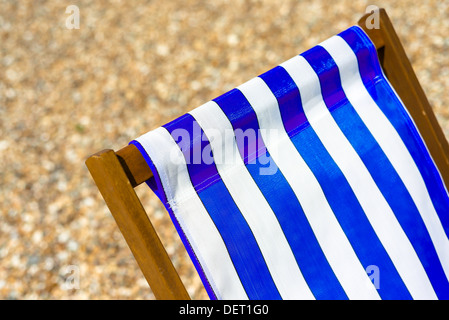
point(155, 184)
point(244, 120)
point(391, 106)
point(338, 192)
point(236, 233)
point(380, 168)
point(194, 145)
point(237, 236)
point(393, 188)
point(282, 200)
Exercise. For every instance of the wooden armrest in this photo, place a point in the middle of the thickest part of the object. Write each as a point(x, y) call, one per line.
point(134, 164)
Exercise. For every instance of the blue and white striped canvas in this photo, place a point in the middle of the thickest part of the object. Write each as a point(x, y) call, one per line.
point(309, 181)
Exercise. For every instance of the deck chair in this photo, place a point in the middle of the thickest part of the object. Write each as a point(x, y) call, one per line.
point(117, 173)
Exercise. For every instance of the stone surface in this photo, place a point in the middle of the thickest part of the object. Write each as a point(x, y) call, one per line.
point(130, 67)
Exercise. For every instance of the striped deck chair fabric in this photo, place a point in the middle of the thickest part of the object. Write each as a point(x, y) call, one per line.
point(309, 181)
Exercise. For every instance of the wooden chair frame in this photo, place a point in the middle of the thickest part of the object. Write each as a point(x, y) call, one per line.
point(116, 174)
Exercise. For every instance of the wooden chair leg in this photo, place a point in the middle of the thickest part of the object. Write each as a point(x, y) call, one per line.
point(135, 226)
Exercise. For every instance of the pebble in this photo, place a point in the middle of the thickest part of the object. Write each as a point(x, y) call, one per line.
point(129, 68)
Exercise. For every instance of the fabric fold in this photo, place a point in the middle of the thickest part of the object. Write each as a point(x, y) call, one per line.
point(310, 181)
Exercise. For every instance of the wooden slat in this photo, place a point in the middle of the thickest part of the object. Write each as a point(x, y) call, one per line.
point(135, 226)
point(375, 35)
point(134, 164)
point(399, 72)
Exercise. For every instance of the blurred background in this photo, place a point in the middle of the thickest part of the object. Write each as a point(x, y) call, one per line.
point(129, 68)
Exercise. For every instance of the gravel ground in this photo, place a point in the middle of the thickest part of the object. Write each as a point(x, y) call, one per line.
point(130, 67)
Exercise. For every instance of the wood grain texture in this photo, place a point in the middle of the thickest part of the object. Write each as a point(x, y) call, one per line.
point(134, 164)
point(135, 226)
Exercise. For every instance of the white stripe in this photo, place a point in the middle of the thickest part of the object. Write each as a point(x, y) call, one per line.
point(251, 203)
point(191, 214)
point(390, 142)
point(376, 208)
point(326, 228)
